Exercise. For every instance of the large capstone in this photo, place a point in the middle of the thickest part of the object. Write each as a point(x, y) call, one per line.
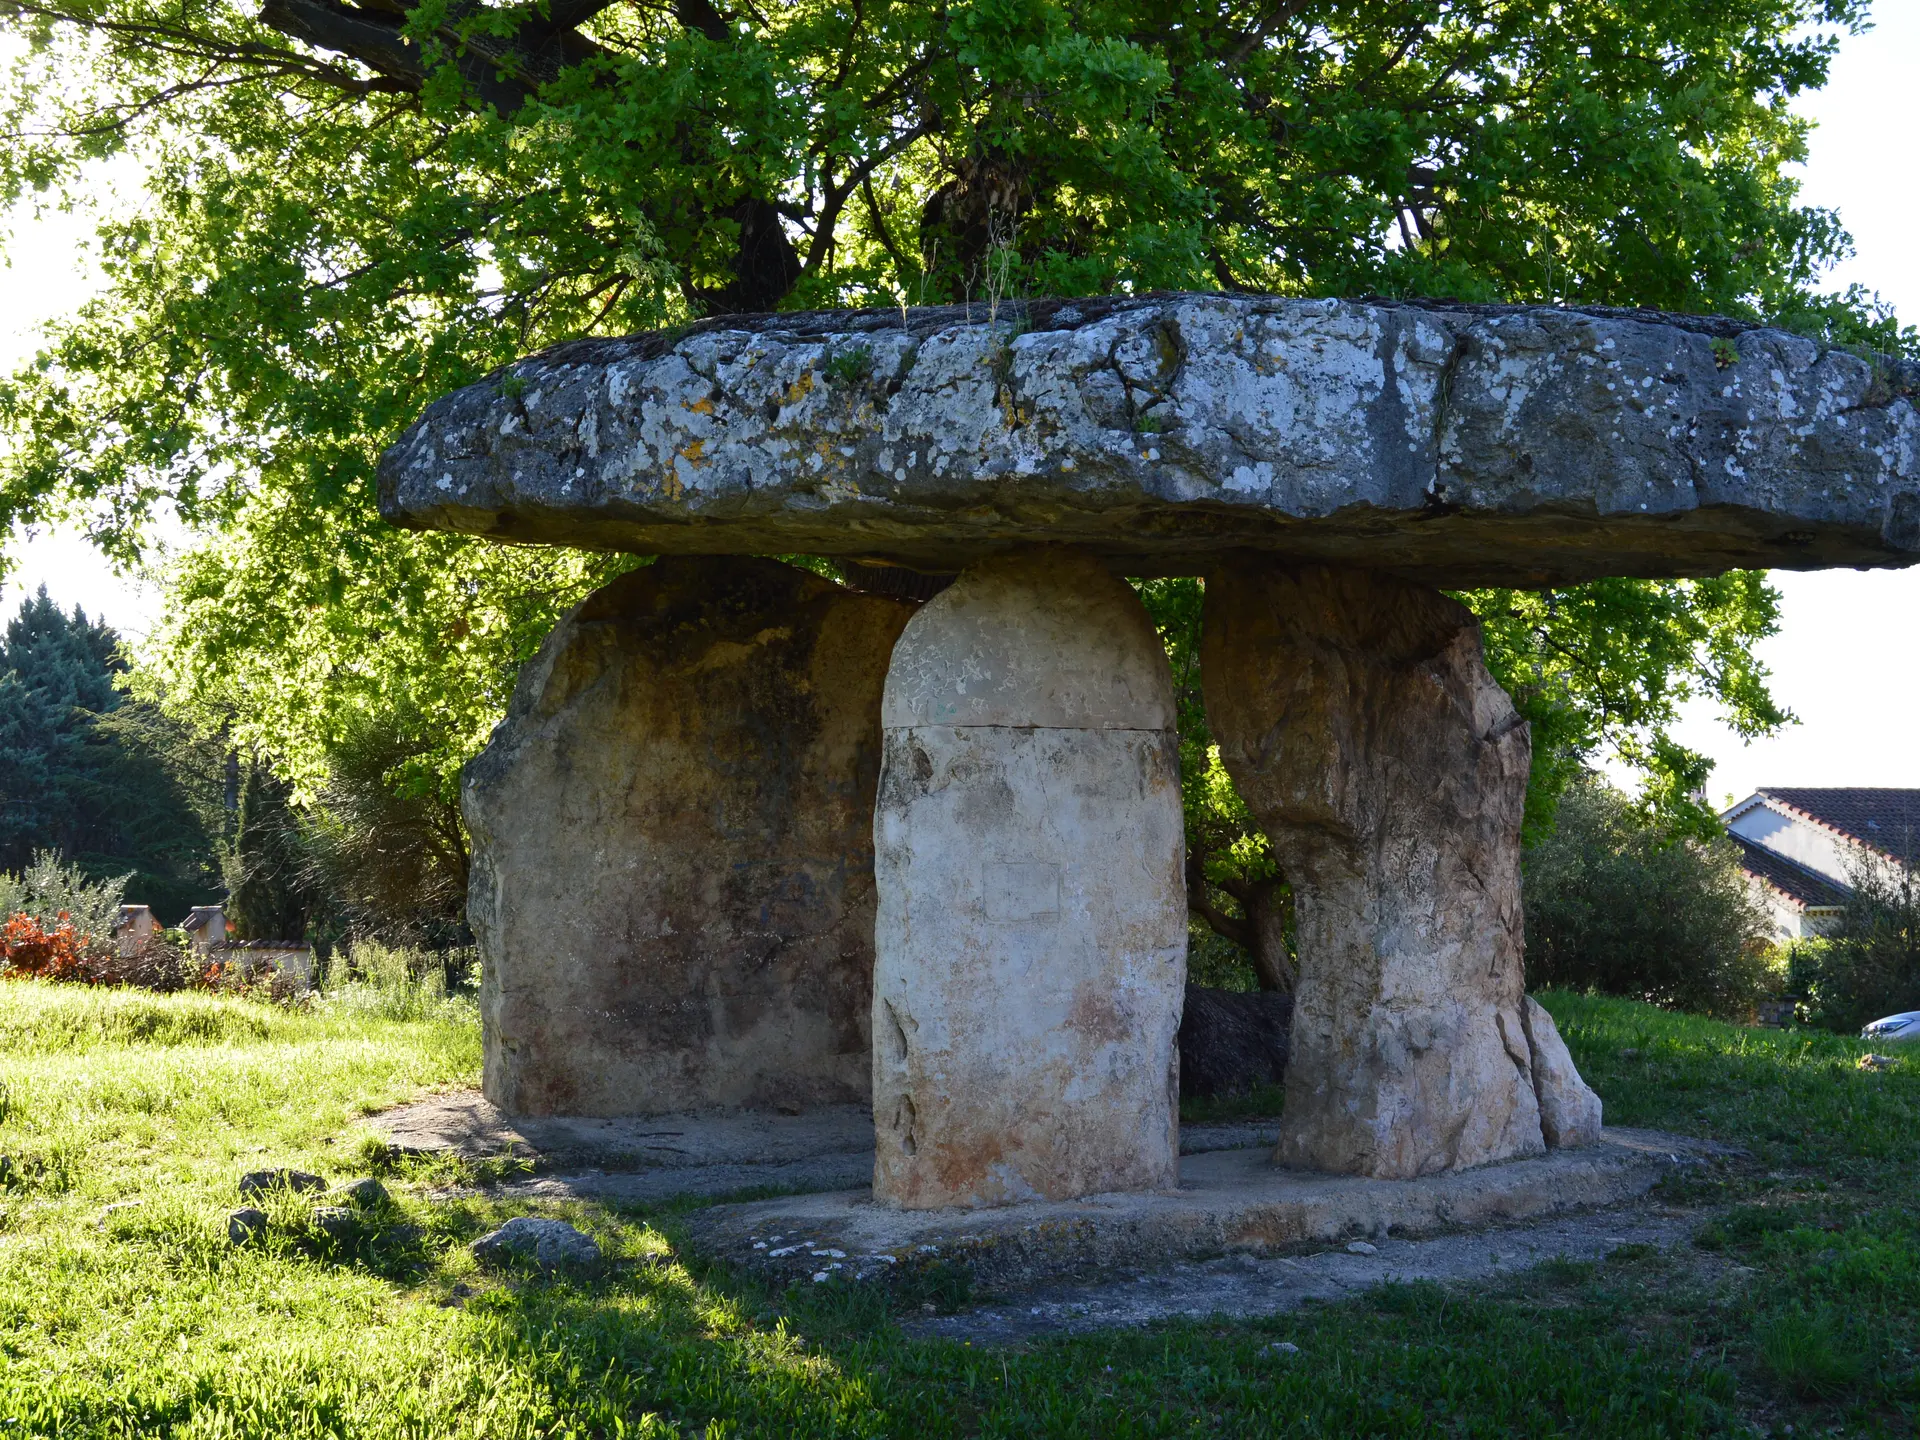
point(1031, 939)
point(1452, 445)
point(672, 879)
point(1389, 772)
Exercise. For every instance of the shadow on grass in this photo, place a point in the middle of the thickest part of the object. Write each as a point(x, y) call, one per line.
point(1820, 1326)
point(716, 1354)
point(1816, 1328)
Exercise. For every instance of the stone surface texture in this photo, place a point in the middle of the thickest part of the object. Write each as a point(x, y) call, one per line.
point(333, 1222)
point(1030, 941)
point(266, 1182)
point(548, 1243)
point(630, 1160)
point(1389, 771)
point(672, 869)
point(1450, 444)
point(1229, 1202)
point(366, 1193)
point(1242, 1286)
point(1569, 1110)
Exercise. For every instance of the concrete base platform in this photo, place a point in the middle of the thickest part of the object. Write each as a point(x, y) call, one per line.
point(466, 1123)
point(1229, 1202)
point(1232, 1202)
point(1244, 1286)
point(640, 1160)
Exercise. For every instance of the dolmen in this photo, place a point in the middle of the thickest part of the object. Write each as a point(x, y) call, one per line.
point(754, 837)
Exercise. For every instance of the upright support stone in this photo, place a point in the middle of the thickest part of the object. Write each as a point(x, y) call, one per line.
point(1389, 771)
point(1031, 941)
point(672, 880)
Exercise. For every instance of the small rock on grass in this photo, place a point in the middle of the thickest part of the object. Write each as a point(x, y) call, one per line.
point(264, 1182)
point(367, 1194)
point(549, 1243)
point(106, 1215)
point(244, 1227)
point(1361, 1247)
point(1281, 1347)
point(336, 1222)
point(1877, 1062)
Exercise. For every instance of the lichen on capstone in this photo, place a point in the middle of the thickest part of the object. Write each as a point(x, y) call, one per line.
point(1449, 444)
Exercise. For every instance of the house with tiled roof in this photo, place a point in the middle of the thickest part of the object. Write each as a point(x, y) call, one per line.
point(1801, 847)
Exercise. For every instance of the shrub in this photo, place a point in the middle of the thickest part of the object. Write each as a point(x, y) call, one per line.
point(57, 952)
point(391, 982)
point(165, 964)
point(1870, 965)
point(61, 929)
point(385, 843)
point(1618, 906)
point(51, 890)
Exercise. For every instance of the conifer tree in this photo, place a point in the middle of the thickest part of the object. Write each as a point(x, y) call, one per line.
point(90, 774)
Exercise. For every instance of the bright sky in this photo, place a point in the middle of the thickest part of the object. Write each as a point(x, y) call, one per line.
point(1847, 660)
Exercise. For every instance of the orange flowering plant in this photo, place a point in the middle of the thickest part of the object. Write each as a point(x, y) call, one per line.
point(29, 948)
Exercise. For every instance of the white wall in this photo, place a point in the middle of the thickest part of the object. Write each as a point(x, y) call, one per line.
point(1800, 841)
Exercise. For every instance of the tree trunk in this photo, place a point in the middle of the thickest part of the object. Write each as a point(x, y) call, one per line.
point(1260, 929)
point(1269, 908)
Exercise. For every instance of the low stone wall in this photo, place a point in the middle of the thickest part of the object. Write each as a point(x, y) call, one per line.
point(293, 961)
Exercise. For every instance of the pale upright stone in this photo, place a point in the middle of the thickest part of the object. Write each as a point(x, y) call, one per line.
point(1031, 938)
point(1389, 771)
point(1569, 1110)
point(672, 873)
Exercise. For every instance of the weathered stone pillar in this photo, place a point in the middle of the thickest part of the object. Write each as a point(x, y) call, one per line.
point(672, 873)
point(1389, 771)
point(1031, 942)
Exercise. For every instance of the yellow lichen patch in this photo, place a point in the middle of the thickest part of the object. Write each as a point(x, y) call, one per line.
point(800, 389)
point(702, 406)
point(670, 485)
point(831, 457)
point(693, 454)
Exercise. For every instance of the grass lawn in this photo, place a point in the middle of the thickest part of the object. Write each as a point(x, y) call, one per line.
point(1798, 1310)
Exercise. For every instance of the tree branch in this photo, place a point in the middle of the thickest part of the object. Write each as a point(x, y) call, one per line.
point(1217, 920)
point(505, 72)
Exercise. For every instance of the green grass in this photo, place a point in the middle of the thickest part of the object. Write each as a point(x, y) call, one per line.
point(1796, 1307)
point(1261, 1102)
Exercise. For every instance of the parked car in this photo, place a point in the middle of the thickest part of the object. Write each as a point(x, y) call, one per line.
point(1900, 1027)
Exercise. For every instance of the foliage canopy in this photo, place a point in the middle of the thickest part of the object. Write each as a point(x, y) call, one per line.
point(352, 208)
point(89, 774)
point(1615, 905)
point(1869, 966)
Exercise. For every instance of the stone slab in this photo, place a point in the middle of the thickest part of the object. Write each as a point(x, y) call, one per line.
point(644, 1159)
point(1388, 770)
point(672, 887)
point(1229, 1202)
point(1031, 934)
point(1246, 1286)
point(465, 1123)
point(1454, 445)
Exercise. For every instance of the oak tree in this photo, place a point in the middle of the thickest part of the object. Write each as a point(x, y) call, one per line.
point(345, 208)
